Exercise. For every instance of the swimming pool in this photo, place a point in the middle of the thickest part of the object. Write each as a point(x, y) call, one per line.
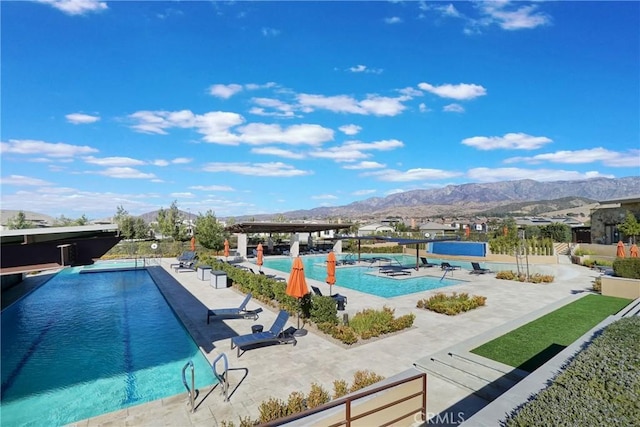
point(356, 277)
point(84, 345)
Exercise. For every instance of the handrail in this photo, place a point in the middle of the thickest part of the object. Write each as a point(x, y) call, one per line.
point(222, 379)
point(347, 402)
point(190, 391)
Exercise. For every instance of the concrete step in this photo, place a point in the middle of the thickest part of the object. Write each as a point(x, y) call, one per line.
point(481, 381)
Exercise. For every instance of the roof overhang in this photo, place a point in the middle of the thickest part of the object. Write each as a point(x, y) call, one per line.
point(283, 227)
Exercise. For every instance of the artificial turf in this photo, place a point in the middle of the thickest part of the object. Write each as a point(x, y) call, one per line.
point(531, 345)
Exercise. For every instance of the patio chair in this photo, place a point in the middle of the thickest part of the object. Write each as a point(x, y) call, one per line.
point(448, 267)
point(188, 266)
point(426, 263)
point(275, 335)
point(479, 270)
point(340, 300)
point(184, 258)
point(239, 312)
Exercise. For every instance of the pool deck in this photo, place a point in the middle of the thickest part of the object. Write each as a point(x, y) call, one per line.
point(276, 371)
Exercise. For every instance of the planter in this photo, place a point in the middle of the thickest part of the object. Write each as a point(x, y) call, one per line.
point(620, 287)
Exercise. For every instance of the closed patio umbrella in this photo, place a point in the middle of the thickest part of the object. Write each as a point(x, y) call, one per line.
point(226, 248)
point(297, 288)
point(259, 255)
point(620, 249)
point(193, 244)
point(331, 270)
point(633, 251)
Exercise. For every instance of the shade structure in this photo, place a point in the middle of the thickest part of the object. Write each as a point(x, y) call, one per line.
point(226, 248)
point(193, 243)
point(331, 270)
point(633, 251)
point(297, 287)
point(620, 250)
point(259, 255)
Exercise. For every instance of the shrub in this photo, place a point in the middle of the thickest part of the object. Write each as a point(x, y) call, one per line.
point(323, 310)
point(629, 268)
point(362, 379)
point(533, 278)
point(340, 388)
point(317, 396)
point(372, 323)
point(597, 284)
point(272, 409)
point(451, 304)
point(296, 403)
point(601, 383)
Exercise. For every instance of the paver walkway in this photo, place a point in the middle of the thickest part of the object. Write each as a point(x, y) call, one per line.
point(276, 371)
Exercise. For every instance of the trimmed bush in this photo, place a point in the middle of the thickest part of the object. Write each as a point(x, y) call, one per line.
point(629, 268)
point(599, 386)
point(533, 278)
point(272, 409)
point(323, 310)
point(451, 304)
point(362, 379)
point(317, 396)
point(340, 388)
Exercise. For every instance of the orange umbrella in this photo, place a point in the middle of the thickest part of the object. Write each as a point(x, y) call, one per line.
point(226, 248)
point(259, 255)
point(193, 243)
point(633, 251)
point(620, 250)
point(297, 287)
point(331, 270)
point(467, 231)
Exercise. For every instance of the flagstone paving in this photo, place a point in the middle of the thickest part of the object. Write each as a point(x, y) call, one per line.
point(276, 371)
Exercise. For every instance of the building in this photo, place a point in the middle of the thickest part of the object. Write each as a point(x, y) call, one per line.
point(606, 218)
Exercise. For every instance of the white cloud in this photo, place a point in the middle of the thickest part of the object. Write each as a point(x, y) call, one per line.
point(324, 197)
point(224, 91)
point(282, 109)
point(273, 169)
point(113, 161)
point(462, 91)
point(509, 174)
point(363, 192)
point(350, 129)
point(302, 134)
point(270, 32)
point(160, 163)
point(423, 108)
point(522, 17)
point(364, 69)
point(382, 145)
point(274, 151)
point(181, 160)
point(183, 195)
point(79, 118)
point(339, 154)
point(21, 180)
point(125, 173)
point(373, 104)
point(453, 108)
point(607, 157)
point(364, 165)
point(393, 20)
point(76, 7)
point(212, 188)
point(41, 148)
point(416, 174)
point(513, 141)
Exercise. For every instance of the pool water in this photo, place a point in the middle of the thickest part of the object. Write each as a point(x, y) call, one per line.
point(84, 345)
point(356, 277)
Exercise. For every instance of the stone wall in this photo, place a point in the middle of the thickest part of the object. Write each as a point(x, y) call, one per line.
point(600, 218)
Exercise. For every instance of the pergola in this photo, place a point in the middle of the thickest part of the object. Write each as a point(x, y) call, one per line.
point(244, 228)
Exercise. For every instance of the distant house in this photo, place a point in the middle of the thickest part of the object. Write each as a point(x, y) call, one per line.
point(542, 220)
point(434, 229)
point(374, 228)
point(606, 218)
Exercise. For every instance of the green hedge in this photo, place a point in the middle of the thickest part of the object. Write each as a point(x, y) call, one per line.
point(629, 268)
point(600, 386)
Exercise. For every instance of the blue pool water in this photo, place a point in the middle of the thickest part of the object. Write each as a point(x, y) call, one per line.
point(84, 345)
point(356, 277)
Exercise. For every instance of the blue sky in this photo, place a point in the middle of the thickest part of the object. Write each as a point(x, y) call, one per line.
point(248, 108)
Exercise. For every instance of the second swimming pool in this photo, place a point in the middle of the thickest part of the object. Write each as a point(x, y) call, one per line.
point(356, 277)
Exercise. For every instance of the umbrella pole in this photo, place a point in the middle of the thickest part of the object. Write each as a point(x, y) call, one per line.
point(299, 332)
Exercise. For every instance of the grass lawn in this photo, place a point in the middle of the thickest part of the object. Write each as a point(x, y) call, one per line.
point(533, 344)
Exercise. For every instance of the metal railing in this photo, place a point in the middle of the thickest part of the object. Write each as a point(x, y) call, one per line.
point(222, 378)
point(348, 401)
point(191, 391)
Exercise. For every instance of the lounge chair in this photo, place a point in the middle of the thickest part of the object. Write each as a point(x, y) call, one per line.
point(184, 258)
point(275, 335)
point(189, 266)
point(340, 300)
point(426, 263)
point(479, 270)
point(448, 267)
point(239, 312)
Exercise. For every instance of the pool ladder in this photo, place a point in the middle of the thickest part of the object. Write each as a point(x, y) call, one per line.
point(221, 377)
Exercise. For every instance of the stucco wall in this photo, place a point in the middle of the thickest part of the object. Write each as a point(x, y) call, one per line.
point(620, 287)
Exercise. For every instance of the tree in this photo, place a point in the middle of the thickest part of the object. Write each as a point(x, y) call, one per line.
point(130, 227)
point(630, 227)
point(63, 221)
point(209, 232)
point(83, 220)
point(19, 222)
point(557, 232)
point(170, 223)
